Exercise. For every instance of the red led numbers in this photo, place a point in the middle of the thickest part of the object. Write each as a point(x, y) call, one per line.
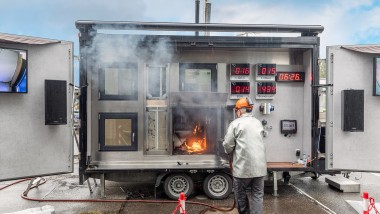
point(240, 69)
point(290, 77)
point(266, 88)
point(240, 88)
point(266, 69)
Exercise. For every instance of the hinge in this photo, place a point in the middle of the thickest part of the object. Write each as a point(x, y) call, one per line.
point(98, 116)
point(331, 58)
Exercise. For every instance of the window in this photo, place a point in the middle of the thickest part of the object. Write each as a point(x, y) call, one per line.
point(156, 85)
point(118, 82)
point(157, 131)
point(198, 77)
point(118, 131)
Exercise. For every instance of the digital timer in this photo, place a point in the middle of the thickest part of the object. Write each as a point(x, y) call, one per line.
point(266, 69)
point(290, 77)
point(240, 88)
point(240, 69)
point(266, 72)
point(266, 88)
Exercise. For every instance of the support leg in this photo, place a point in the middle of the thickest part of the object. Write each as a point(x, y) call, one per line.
point(102, 186)
point(89, 185)
point(96, 184)
point(275, 187)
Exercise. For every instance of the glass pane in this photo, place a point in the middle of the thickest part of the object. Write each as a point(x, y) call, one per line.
point(198, 80)
point(118, 81)
point(156, 82)
point(154, 86)
point(157, 131)
point(118, 132)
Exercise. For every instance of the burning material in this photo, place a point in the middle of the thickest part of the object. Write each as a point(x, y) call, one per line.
point(192, 142)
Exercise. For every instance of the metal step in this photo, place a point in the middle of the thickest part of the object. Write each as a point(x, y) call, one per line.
point(343, 184)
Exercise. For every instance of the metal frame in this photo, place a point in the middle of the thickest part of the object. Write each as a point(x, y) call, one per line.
point(134, 141)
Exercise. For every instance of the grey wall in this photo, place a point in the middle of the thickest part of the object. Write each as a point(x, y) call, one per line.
point(292, 101)
point(351, 150)
point(28, 146)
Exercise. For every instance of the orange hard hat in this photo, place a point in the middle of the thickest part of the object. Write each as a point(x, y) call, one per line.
point(244, 103)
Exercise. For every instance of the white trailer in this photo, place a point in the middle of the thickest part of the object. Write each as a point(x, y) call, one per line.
point(157, 105)
point(36, 78)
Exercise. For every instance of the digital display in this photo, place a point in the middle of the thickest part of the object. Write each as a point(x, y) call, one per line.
point(288, 126)
point(266, 69)
point(240, 88)
point(13, 71)
point(290, 77)
point(240, 69)
point(266, 88)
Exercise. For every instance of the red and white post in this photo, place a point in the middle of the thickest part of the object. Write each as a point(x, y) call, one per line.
point(365, 203)
point(181, 201)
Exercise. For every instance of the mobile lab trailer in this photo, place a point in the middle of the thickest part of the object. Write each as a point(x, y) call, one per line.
point(36, 77)
point(159, 105)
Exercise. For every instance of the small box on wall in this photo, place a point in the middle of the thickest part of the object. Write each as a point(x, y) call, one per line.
point(353, 110)
point(55, 102)
point(376, 76)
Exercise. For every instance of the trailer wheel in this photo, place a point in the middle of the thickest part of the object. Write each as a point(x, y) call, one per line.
point(177, 183)
point(315, 176)
point(217, 185)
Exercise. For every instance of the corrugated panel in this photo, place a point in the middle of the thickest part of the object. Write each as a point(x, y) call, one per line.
point(375, 49)
point(17, 39)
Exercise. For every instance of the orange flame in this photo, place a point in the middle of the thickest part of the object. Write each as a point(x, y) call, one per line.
point(197, 141)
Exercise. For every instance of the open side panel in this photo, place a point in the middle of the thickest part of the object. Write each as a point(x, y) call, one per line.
point(29, 147)
point(353, 113)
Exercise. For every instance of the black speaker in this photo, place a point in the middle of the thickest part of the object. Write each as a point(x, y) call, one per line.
point(353, 110)
point(55, 102)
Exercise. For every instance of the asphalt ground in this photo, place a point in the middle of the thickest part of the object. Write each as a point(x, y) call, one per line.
point(301, 195)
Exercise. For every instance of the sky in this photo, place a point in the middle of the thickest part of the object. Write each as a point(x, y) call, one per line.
point(346, 22)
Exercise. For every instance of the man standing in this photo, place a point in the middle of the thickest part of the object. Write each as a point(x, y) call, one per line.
point(244, 140)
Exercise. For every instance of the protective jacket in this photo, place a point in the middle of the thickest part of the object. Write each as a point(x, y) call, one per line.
point(244, 141)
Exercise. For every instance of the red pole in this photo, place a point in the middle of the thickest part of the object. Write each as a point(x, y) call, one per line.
point(181, 201)
point(365, 203)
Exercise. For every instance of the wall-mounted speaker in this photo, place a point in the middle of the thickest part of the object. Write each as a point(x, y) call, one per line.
point(55, 102)
point(353, 110)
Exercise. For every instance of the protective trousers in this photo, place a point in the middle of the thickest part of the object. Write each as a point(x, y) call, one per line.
point(257, 191)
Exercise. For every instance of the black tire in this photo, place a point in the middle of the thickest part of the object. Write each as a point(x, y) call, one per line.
point(315, 175)
point(217, 185)
point(177, 183)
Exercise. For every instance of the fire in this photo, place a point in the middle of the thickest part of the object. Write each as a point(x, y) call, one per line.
point(197, 141)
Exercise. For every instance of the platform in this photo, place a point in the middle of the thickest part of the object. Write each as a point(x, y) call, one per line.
point(343, 184)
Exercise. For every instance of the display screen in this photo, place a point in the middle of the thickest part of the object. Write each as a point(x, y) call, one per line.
point(240, 88)
point(266, 88)
point(288, 126)
point(266, 69)
point(290, 77)
point(13, 70)
point(240, 69)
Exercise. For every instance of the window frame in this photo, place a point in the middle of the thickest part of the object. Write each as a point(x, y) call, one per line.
point(104, 96)
point(163, 69)
point(130, 115)
point(211, 66)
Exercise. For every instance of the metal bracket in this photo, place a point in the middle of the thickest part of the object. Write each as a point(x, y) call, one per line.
point(33, 183)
